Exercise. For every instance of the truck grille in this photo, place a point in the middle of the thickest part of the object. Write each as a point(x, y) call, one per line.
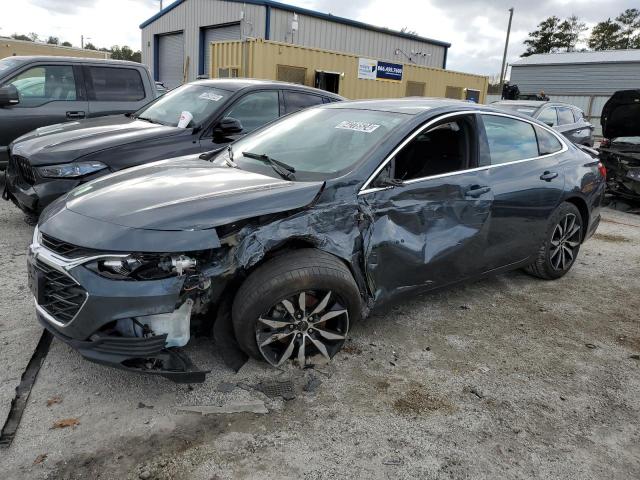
point(23, 169)
point(65, 249)
point(62, 297)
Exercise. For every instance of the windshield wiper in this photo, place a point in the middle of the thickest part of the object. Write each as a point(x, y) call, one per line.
point(149, 120)
point(281, 168)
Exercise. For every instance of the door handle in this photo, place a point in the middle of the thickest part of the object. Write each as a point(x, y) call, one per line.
point(475, 191)
point(548, 176)
point(75, 115)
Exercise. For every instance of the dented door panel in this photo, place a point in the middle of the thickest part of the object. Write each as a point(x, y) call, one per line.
point(435, 228)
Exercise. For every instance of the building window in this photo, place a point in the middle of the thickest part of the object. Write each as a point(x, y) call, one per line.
point(228, 72)
point(415, 89)
point(453, 92)
point(291, 74)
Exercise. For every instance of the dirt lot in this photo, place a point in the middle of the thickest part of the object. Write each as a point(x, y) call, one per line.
point(508, 378)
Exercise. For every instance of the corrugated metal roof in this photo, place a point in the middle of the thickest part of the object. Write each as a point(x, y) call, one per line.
point(311, 13)
point(605, 56)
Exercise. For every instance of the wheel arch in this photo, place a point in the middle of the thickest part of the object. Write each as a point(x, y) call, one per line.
point(582, 207)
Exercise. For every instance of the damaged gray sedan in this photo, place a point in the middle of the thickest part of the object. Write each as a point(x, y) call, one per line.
point(284, 240)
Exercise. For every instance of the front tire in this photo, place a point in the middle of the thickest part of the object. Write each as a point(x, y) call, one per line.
point(296, 306)
point(559, 250)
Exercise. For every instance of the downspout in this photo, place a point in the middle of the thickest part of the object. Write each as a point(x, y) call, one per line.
point(444, 60)
point(267, 23)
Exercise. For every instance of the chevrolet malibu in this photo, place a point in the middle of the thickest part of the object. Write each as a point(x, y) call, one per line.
point(299, 230)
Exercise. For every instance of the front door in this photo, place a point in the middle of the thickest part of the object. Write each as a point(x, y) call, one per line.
point(430, 208)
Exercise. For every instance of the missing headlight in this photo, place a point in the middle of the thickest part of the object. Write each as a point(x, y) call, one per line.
point(142, 266)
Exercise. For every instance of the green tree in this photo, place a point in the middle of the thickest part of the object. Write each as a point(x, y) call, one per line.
point(570, 32)
point(53, 40)
point(546, 39)
point(34, 36)
point(605, 36)
point(21, 37)
point(89, 46)
point(66, 44)
point(629, 22)
point(125, 53)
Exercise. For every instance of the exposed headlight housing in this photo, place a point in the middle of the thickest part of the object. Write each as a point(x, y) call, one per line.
point(142, 267)
point(71, 170)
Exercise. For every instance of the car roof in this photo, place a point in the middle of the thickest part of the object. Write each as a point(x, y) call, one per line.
point(53, 58)
point(533, 103)
point(408, 105)
point(235, 84)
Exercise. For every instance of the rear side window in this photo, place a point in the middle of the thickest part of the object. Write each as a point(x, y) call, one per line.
point(39, 85)
point(509, 139)
point(295, 101)
point(256, 109)
point(547, 142)
point(549, 117)
point(565, 116)
point(116, 84)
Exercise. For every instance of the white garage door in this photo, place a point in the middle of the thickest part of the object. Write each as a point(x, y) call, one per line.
point(171, 59)
point(218, 34)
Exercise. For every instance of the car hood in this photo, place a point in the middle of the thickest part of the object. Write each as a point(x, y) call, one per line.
point(186, 193)
point(69, 141)
point(621, 115)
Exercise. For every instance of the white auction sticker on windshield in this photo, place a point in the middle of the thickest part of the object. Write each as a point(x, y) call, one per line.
point(358, 126)
point(210, 96)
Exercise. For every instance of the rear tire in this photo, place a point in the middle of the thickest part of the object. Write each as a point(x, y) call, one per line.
point(307, 296)
point(561, 245)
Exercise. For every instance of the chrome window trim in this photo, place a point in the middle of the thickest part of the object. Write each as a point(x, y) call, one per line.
point(365, 188)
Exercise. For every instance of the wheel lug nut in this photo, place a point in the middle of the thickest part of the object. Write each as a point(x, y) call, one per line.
point(311, 330)
point(299, 335)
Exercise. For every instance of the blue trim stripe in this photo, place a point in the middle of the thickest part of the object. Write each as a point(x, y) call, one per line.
point(310, 13)
point(156, 57)
point(201, 52)
point(267, 24)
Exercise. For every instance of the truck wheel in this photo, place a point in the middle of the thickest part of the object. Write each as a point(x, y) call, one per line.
point(560, 248)
point(296, 306)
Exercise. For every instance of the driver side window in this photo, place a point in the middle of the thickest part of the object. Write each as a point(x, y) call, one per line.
point(39, 85)
point(255, 109)
point(446, 147)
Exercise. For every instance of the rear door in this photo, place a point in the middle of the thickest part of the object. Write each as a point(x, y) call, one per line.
point(113, 90)
point(527, 184)
point(48, 94)
point(430, 228)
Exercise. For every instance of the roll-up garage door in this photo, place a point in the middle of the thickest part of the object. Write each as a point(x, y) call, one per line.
point(171, 59)
point(218, 34)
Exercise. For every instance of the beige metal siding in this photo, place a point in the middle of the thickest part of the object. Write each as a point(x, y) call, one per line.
point(10, 47)
point(189, 16)
point(262, 58)
point(327, 35)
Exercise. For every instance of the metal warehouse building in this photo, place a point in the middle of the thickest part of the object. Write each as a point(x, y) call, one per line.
point(176, 42)
point(584, 79)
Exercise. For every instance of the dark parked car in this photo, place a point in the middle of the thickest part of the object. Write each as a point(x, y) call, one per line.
point(40, 91)
point(620, 148)
point(53, 160)
point(301, 228)
point(564, 118)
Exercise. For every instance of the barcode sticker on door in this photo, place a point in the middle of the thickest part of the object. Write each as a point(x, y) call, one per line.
point(357, 126)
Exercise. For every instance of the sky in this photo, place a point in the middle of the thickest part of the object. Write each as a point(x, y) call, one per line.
point(476, 29)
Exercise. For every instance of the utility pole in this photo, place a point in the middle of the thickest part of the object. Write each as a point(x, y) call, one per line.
point(506, 46)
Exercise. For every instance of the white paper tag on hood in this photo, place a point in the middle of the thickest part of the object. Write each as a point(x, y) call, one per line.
point(185, 118)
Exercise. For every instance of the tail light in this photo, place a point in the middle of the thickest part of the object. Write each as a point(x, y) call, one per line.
point(603, 170)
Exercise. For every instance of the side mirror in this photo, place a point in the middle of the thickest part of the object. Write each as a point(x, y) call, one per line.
point(549, 124)
point(228, 126)
point(9, 96)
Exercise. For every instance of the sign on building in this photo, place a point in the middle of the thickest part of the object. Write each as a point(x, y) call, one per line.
point(373, 69)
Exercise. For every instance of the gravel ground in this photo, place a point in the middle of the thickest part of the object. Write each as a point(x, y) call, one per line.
point(511, 377)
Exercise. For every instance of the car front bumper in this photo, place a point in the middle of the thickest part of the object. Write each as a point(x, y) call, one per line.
point(105, 302)
point(34, 198)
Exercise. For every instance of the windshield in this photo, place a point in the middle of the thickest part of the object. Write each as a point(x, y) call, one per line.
point(318, 143)
point(200, 101)
point(521, 109)
point(7, 63)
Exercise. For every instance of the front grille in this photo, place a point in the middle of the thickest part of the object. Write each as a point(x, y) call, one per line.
point(23, 169)
point(65, 249)
point(61, 297)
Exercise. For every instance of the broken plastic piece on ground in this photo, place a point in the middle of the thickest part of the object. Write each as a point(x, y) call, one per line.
point(251, 406)
point(65, 422)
